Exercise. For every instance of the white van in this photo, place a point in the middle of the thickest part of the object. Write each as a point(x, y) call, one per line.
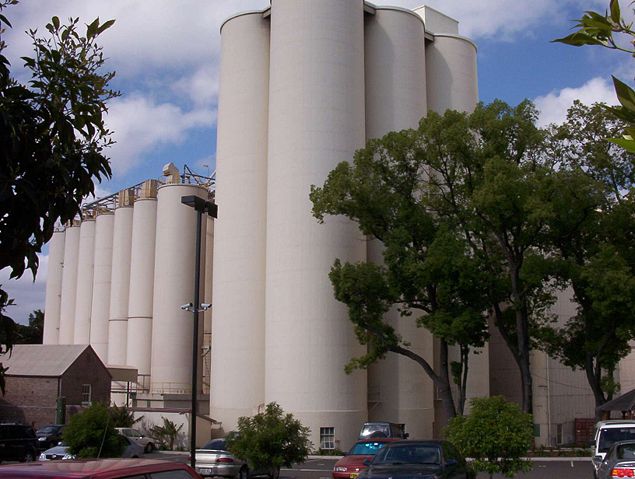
point(607, 433)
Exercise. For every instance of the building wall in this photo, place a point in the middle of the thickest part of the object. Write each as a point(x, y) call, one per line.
point(87, 369)
point(29, 399)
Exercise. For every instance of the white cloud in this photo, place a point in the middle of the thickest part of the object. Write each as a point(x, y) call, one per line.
point(200, 86)
point(28, 295)
point(140, 125)
point(553, 106)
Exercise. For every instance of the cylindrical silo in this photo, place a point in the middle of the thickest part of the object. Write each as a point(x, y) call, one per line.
point(399, 389)
point(207, 315)
point(451, 73)
point(144, 223)
point(104, 227)
point(171, 365)
point(316, 120)
point(238, 328)
point(69, 284)
point(85, 271)
point(120, 279)
point(53, 289)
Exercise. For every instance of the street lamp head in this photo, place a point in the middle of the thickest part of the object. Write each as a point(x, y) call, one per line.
point(186, 307)
point(206, 306)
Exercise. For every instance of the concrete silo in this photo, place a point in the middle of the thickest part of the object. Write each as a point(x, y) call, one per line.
point(398, 388)
point(53, 288)
point(69, 284)
point(316, 120)
point(144, 221)
point(84, 290)
point(120, 278)
point(100, 313)
point(171, 364)
point(238, 356)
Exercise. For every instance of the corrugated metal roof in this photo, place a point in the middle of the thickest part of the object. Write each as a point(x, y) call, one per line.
point(50, 360)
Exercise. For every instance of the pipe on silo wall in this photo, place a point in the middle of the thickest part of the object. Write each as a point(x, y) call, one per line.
point(100, 313)
point(316, 120)
point(144, 223)
point(238, 327)
point(85, 272)
point(120, 279)
point(451, 74)
point(69, 285)
point(399, 389)
point(171, 364)
point(53, 299)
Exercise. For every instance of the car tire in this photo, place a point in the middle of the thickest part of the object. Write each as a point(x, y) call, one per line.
point(243, 473)
point(149, 448)
point(29, 457)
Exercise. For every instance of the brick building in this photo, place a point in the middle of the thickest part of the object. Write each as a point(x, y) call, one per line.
point(38, 374)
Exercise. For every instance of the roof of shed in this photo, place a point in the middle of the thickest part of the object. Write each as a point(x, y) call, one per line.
point(50, 360)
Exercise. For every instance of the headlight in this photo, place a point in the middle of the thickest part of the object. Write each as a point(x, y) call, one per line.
point(340, 469)
point(68, 456)
point(42, 457)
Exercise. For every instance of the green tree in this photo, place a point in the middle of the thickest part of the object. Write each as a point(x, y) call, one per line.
point(91, 433)
point(53, 140)
point(610, 30)
point(270, 440)
point(496, 435)
point(121, 416)
point(32, 332)
point(591, 245)
point(167, 433)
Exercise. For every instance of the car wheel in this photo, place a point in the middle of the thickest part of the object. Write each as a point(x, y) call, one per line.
point(29, 456)
point(149, 447)
point(244, 473)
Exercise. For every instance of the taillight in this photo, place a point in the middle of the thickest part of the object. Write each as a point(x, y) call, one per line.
point(230, 460)
point(622, 472)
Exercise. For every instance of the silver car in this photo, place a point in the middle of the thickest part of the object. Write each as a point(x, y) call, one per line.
point(213, 459)
point(61, 452)
point(619, 461)
point(147, 443)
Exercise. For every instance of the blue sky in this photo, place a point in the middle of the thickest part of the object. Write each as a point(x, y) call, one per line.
point(166, 56)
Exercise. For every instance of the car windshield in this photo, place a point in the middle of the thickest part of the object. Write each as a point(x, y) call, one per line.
point(609, 436)
point(366, 448)
point(216, 444)
point(408, 454)
point(369, 429)
point(47, 430)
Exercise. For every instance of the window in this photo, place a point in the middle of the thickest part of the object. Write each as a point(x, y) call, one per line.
point(327, 438)
point(86, 395)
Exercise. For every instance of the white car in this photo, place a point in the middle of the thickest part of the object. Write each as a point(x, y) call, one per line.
point(147, 443)
point(61, 453)
point(606, 434)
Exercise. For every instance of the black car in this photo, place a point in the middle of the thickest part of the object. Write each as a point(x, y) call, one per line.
point(17, 443)
point(420, 459)
point(49, 436)
point(619, 461)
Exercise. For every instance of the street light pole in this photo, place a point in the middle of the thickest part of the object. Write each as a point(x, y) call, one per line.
point(201, 206)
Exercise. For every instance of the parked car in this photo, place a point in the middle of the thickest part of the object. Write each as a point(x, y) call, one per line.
point(17, 443)
point(420, 459)
point(148, 443)
point(213, 459)
point(352, 463)
point(608, 433)
point(383, 429)
point(49, 436)
point(61, 452)
point(619, 461)
point(100, 469)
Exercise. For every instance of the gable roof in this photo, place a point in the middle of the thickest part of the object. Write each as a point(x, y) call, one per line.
point(50, 360)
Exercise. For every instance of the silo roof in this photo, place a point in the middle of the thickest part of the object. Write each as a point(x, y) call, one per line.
point(50, 360)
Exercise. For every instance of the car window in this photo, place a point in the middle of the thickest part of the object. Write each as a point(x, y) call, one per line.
point(366, 448)
point(217, 444)
point(612, 435)
point(626, 451)
point(134, 432)
point(409, 454)
point(178, 474)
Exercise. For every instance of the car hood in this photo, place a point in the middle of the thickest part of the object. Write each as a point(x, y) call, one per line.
point(401, 471)
point(353, 460)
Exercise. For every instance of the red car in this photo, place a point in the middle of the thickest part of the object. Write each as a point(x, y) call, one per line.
point(352, 463)
point(100, 469)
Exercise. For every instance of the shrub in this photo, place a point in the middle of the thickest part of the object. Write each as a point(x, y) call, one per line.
point(91, 433)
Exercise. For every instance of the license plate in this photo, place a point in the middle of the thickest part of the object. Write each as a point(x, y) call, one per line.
point(354, 475)
point(204, 471)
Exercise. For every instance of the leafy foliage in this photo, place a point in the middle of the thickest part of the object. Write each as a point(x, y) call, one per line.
point(121, 416)
point(496, 434)
point(54, 134)
point(270, 440)
point(610, 30)
point(91, 433)
point(166, 434)
point(32, 332)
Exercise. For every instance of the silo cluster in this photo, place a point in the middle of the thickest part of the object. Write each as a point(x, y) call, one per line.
point(303, 84)
point(117, 280)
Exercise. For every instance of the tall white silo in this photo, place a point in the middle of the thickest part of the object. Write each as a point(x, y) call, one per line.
point(85, 271)
point(316, 120)
point(53, 288)
point(171, 365)
point(120, 279)
point(208, 314)
point(238, 356)
point(144, 224)
point(100, 313)
point(69, 284)
point(399, 390)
